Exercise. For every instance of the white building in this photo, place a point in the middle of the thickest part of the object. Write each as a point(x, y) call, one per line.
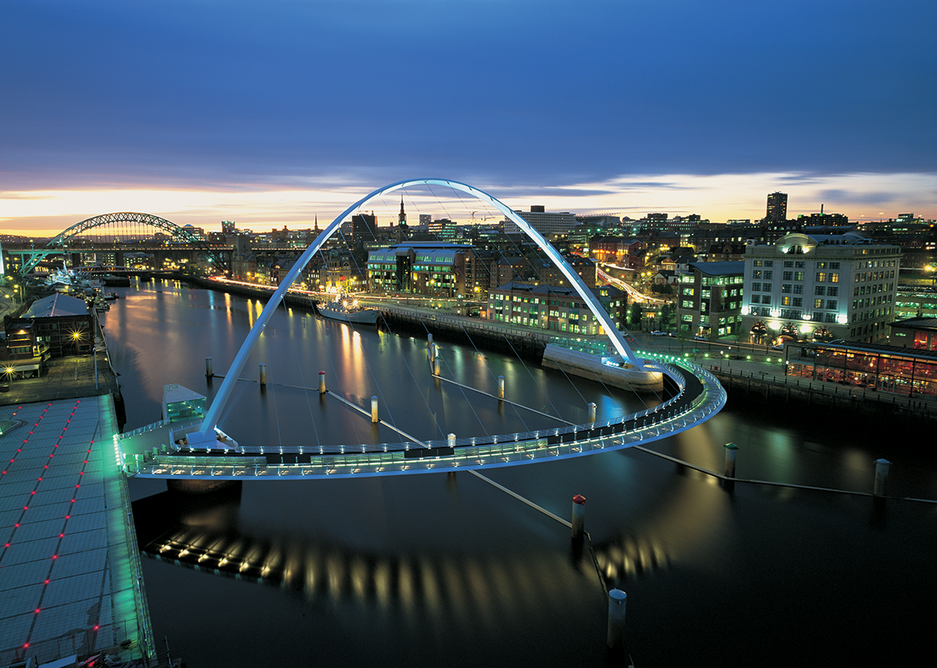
point(545, 222)
point(838, 286)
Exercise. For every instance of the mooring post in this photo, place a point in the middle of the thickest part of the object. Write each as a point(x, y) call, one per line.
point(450, 440)
point(592, 412)
point(321, 382)
point(431, 351)
point(436, 366)
point(579, 515)
point(501, 387)
point(374, 410)
point(263, 375)
point(881, 476)
point(617, 600)
point(208, 373)
point(731, 451)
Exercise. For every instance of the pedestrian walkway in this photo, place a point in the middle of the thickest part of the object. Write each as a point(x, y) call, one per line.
point(70, 580)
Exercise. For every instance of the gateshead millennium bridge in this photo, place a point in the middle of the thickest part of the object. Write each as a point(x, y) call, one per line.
point(198, 449)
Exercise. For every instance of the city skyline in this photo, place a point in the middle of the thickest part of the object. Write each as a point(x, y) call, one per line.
point(200, 115)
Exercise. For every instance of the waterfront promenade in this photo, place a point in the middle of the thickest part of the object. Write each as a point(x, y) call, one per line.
point(70, 576)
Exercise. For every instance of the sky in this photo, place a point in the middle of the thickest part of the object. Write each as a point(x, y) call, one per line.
point(280, 112)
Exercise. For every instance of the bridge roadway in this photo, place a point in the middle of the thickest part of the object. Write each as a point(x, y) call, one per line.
point(148, 452)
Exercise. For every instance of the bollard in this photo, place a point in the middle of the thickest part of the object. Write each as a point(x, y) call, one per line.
point(592, 412)
point(617, 600)
point(208, 373)
point(321, 382)
point(731, 451)
point(501, 387)
point(881, 476)
point(579, 515)
point(263, 375)
point(450, 440)
point(374, 410)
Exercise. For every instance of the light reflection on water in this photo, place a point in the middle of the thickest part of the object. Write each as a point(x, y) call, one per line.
point(430, 569)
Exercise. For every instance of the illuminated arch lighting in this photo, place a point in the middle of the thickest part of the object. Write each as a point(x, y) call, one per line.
point(205, 433)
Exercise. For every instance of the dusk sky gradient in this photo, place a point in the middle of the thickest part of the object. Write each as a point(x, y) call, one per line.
point(272, 113)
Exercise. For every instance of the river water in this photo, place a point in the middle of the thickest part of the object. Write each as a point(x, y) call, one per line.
point(448, 570)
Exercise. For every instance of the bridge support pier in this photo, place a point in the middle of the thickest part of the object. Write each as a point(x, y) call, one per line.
point(501, 387)
point(208, 373)
point(263, 375)
point(321, 382)
point(374, 419)
point(592, 412)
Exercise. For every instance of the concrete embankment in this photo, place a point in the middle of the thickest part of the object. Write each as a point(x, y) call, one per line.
point(589, 366)
point(748, 386)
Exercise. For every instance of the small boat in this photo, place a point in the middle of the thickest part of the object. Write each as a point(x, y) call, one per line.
point(347, 310)
point(110, 296)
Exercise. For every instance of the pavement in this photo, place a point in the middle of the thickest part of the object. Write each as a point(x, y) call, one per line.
point(64, 378)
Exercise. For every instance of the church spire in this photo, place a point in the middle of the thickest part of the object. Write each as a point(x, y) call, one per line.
point(402, 218)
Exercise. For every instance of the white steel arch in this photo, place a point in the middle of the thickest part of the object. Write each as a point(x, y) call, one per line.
point(205, 434)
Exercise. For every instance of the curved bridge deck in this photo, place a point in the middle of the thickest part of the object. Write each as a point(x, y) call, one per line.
point(699, 396)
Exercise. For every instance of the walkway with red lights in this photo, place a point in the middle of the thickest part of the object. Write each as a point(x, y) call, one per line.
point(69, 563)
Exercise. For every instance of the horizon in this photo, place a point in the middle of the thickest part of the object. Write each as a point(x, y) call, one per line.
point(274, 117)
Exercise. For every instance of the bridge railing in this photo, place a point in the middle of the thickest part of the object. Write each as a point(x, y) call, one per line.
point(675, 415)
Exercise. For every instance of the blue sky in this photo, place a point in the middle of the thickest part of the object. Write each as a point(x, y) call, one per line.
point(622, 105)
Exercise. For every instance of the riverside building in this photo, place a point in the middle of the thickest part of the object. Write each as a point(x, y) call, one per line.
point(823, 286)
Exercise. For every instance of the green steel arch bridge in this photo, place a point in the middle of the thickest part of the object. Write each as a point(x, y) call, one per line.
point(116, 226)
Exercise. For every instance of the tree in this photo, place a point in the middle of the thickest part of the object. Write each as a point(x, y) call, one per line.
point(637, 312)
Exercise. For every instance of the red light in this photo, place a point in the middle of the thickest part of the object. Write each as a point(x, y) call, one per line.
point(61, 535)
point(68, 517)
point(46, 582)
point(37, 611)
point(96, 627)
point(55, 556)
point(16, 526)
point(7, 545)
point(33, 492)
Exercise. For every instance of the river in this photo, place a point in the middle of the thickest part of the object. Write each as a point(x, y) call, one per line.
point(448, 570)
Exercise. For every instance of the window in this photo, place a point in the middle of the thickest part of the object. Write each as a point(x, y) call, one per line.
point(834, 278)
point(756, 273)
point(819, 290)
point(787, 276)
point(757, 263)
point(768, 275)
point(798, 301)
point(769, 263)
point(834, 265)
point(785, 301)
point(788, 263)
point(800, 264)
point(756, 287)
point(832, 292)
point(817, 303)
point(766, 287)
point(798, 275)
point(785, 288)
point(831, 304)
point(821, 276)
point(798, 289)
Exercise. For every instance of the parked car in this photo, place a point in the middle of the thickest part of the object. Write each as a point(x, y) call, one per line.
point(657, 332)
point(699, 337)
